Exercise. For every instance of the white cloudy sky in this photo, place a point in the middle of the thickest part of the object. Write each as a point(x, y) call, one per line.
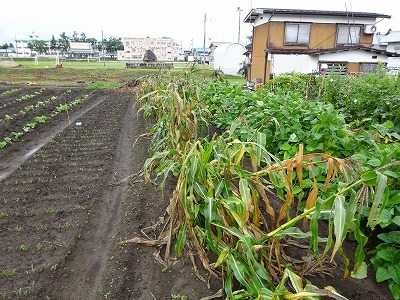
point(182, 20)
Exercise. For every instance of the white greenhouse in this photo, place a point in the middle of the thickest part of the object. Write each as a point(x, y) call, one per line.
point(229, 58)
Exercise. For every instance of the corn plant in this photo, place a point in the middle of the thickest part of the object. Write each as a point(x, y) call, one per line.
point(238, 200)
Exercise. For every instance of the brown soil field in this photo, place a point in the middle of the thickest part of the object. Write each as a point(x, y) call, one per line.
point(66, 202)
point(71, 189)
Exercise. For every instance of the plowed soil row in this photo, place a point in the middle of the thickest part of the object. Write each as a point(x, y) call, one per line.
point(68, 195)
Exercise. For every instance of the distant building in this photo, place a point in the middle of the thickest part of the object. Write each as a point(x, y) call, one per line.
point(214, 46)
point(200, 56)
point(229, 58)
point(22, 50)
point(389, 42)
point(81, 50)
point(310, 41)
point(164, 48)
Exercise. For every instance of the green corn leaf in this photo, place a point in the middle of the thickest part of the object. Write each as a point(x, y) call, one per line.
point(379, 201)
point(181, 238)
point(295, 281)
point(209, 216)
point(242, 273)
point(339, 220)
point(261, 141)
point(246, 198)
point(219, 188)
point(228, 285)
point(362, 240)
point(201, 191)
point(314, 227)
point(222, 257)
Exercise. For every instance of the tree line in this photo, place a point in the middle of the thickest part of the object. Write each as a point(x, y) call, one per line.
point(62, 44)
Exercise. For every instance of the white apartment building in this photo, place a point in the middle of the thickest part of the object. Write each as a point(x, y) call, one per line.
point(22, 50)
point(134, 48)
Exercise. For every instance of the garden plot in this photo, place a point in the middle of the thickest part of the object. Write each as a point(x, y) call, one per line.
point(23, 114)
point(66, 202)
point(46, 202)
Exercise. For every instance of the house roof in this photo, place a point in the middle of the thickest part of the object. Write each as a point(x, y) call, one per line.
point(255, 12)
point(80, 47)
point(216, 44)
point(392, 37)
point(330, 50)
point(201, 50)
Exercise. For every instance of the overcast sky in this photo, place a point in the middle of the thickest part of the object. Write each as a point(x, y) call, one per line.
point(182, 20)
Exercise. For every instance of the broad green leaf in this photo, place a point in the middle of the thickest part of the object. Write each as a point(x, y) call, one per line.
point(391, 174)
point(395, 289)
point(388, 253)
point(361, 273)
point(374, 162)
point(382, 274)
point(369, 178)
point(396, 220)
point(293, 138)
point(390, 237)
point(394, 271)
point(385, 218)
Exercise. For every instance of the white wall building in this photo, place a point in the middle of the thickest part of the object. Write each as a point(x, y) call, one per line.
point(229, 58)
point(134, 48)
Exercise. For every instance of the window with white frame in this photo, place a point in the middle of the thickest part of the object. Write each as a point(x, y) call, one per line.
point(297, 33)
point(348, 34)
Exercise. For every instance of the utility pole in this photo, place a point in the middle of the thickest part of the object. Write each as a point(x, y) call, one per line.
point(240, 11)
point(102, 48)
point(204, 41)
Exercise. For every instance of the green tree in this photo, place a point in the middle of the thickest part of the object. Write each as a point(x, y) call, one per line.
point(63, 42)
point(38, 46)
point(83, 37)
point(113, 44)
point(75, 36)
point(53, 43)
point(92, 41)
point(5, 46)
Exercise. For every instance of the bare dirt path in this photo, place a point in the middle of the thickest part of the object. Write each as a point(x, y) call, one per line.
point(85, 267)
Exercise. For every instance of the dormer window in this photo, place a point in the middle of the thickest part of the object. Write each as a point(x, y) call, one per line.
point(348, 34)
point(297, 34)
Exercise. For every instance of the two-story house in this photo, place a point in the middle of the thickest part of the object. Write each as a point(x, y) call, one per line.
point(389, 42)
point(308, 41)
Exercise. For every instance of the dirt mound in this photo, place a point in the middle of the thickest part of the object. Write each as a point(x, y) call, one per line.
point(8, 63)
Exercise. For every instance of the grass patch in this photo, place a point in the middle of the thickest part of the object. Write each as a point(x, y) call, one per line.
point(103, 85)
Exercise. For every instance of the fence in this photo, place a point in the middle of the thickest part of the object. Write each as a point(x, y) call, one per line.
point(149, 65)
